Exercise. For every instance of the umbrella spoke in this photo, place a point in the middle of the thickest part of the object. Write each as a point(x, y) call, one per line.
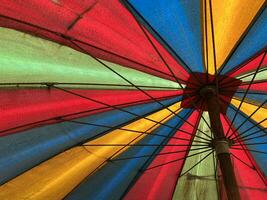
point(206, 42)
point(252, 138)
point(250, 92)
point(172, 161)
point(202, 159)
point(255, 82)
point(256, 143)
point(142, 145)
point(214, 50)
point(256, 151)
point(249, 74)
point(251, 167)
point(159, 154)
point(88, 84)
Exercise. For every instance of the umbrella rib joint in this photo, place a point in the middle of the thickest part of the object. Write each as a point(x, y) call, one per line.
point(220, 143)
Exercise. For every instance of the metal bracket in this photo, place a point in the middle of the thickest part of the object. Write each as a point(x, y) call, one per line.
point(221, 146)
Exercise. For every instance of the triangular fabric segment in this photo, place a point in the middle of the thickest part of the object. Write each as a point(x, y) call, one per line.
point(178, 24)
point(229, 19)
point(200, 181)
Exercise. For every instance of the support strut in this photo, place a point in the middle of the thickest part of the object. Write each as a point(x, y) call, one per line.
point(220, 143)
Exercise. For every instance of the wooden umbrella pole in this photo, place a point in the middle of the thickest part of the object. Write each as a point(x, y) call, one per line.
point(220, 142)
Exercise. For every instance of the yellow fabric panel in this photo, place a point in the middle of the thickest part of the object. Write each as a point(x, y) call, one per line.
point(230, 20)
point(248, 109)
point(55, 178)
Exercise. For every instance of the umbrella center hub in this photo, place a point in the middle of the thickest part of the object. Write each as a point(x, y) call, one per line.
point(201, 85)
point(207, 90)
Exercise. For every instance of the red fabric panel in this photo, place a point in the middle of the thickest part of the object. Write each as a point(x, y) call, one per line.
point(250, 65)
point(107, 27)
point(23, 106)
point(260, 86)
point(160, 182)
point(250, 181)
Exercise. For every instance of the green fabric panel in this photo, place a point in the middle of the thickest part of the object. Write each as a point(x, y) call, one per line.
point(199, 183)
point(25, 58)
point(261, 75)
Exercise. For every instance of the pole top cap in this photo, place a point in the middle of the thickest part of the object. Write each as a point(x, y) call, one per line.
point(208, 89)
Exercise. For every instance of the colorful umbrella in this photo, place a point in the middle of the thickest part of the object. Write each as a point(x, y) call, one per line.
point(109, 99)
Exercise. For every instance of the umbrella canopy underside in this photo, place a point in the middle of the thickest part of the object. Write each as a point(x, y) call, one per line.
point(100, 99)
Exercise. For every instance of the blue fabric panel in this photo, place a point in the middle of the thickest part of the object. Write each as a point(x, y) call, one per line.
point(179, 24)
point(22, 151)
point(105, 185)
point(259, 98)
point(255, 40)
point(261, 159)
